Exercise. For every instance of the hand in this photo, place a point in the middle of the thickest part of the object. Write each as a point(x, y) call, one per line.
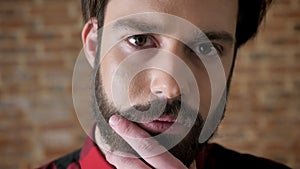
point(146, 148)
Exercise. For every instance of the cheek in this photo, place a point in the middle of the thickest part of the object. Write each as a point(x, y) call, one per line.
point(227, 62)
point(203, 81)
point(109, 64)
point(139, 88)
point(204, 88)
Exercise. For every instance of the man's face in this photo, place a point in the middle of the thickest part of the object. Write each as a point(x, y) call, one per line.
point(208, 15)
point(155, 85)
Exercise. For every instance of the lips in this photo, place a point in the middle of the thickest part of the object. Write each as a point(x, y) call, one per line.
point(159, 125)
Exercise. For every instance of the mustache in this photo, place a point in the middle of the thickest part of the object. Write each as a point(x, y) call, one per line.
point(160, 105)
point(142, 113)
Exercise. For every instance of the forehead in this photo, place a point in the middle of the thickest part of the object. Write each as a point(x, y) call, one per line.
point(213, 15)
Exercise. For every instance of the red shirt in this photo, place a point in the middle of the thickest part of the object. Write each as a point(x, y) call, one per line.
point(214, 157)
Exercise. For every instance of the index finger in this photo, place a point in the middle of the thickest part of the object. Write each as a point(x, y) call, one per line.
point(148, 148)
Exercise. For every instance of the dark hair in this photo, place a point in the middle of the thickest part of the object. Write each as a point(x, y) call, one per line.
point(250, 15)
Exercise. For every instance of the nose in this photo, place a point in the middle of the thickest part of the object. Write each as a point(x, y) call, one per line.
point(163, 84)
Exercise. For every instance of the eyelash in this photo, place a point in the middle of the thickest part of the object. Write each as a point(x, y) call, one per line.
point(219, 48)
point(148, 37)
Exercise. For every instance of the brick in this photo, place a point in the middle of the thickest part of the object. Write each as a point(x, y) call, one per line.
point(48, 10)
point(260, 56)
point(285, 41)
point(8, 165)
point(297, 27)
point(45, 64)
point(57, 48)
point(8, 62)
point(47, 111)
point(57, 139)
point(247, 69)
point(284, 69)
point(18, 49)
point(15, 24)
point(297, 56)
point(7, 37)
point(10, 11)
point(44, 36)
point(18, 76)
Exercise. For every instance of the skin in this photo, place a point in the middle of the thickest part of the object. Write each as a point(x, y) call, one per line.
point(208, 15)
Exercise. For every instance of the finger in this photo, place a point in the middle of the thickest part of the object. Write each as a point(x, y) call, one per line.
point(125, 162)
point(148, 148)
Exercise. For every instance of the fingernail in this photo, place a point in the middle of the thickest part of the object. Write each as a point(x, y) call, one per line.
point(114, 120)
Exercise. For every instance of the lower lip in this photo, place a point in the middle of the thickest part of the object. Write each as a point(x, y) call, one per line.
point(156, 126)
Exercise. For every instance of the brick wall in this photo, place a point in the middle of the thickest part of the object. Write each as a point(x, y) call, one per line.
point(264, 103)
point(40, 40)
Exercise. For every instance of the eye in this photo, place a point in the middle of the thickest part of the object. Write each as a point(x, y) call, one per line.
point(208, 49)
point(142, 41)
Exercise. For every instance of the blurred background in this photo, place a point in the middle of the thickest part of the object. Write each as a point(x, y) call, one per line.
point(40, 41)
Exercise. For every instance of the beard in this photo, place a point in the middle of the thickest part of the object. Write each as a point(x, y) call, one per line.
point(186, 150)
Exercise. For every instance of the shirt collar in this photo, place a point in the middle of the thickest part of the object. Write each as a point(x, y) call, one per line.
point(91, 157)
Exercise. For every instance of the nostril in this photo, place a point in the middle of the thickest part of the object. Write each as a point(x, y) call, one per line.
point(160, 94)
point(163, 85)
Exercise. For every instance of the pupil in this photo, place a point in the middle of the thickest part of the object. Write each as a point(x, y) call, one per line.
point(140, 40)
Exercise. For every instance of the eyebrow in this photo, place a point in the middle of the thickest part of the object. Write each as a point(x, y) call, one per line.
point(223, 36)
point(141, 26)
point(135, 25)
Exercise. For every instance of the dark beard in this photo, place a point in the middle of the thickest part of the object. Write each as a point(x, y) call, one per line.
point(186, 150)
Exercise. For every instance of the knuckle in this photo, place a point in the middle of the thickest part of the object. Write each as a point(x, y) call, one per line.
point(118, 161)
point(124, 127)
point(111, 158)
point(145, 146)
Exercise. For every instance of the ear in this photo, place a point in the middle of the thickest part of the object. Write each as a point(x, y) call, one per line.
point(89, 39)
